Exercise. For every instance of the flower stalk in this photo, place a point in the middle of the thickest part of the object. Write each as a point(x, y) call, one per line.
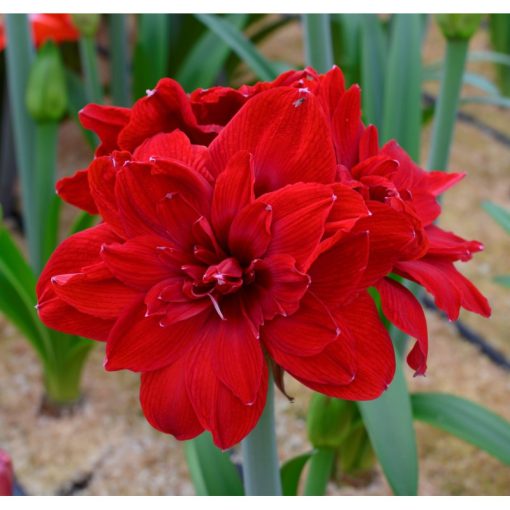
point(260, 458)
point(321, 466)
point(120, 77)
point(447, 104)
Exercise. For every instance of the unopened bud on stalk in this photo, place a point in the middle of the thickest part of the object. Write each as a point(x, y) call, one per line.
point(46, 95)
point(458, 26)
point(329, 420)
point(87, 24)
point(6, 475)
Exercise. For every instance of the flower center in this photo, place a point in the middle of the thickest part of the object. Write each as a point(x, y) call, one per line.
point(226, 277)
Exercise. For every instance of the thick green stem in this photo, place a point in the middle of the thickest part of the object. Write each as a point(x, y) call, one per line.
point(90, 70)
point(261, 470)
point(318, 46)
point(19, 59)
point(120, 77)
point(321, 465)
point(45, 167)
point(448, 102)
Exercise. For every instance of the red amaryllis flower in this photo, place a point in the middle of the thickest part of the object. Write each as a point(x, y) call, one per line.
point(214, 265)
point(401, 196)
point(55, 27)
point(6, 474)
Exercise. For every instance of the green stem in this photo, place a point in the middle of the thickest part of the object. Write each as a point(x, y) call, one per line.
point(260, 457)
point(20, 55)
point(448, 102)
point(321, 465)
point(318, 46)
point(120, 78)
point(90, 70)
point(45, 167)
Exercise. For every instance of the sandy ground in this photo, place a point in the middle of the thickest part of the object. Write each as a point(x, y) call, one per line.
point(108, 448)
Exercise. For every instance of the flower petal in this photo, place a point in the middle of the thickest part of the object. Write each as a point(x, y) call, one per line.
point(299, 215)
point(402, 309)
point(106, 122)
point(287, 134)
point(138, 342)
point(232, 192)
point(166, 404)
point(75, 190)
point(218, 410)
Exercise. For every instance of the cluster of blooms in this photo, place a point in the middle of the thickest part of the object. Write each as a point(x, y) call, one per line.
point(242, 231)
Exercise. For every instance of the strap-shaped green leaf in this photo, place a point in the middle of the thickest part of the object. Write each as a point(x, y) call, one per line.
point(290, 473)
point(402, 91)
point(374, 48)
point(466, 420)
point(212, 472)
point(389, 422)
point(204, 62)
point(240, 45)
point(501, 215)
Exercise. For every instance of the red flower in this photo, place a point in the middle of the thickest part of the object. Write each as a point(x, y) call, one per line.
point(6, 474)
point(214, 265)
point(56, 27)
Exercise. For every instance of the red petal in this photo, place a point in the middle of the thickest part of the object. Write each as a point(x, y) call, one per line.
point(163, 110)
point(106, 122)
point(233, 191)
point(299, 215)
point(277, 288)
point(75, 190)
point(138, 342)
point(369, 143)
point(218, 410)
point(402, 309)
point(347, 127)
point(286, 132)
point(439, 182)
point(336, 273)
point(94, 292)
point(166, 404)
point(137, 262)
point(449, 246)
point(250, 232)
point(305, 333)
point(237, 357)
point(57, 314)
point(80, 250)
point(331, 90)
point(175, 146)
point(348, 208)
point(450, 289)
point(374, 355)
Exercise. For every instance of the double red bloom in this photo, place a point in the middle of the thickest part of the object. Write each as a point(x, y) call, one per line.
point(242, 230)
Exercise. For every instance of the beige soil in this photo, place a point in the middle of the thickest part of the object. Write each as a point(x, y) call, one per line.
point(109, 441)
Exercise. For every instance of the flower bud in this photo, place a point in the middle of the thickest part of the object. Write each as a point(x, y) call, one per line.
point(329, 420)
point(6, 475)
point(46, 95)
point(87, 24)
point(356, 456)
point(458, 26)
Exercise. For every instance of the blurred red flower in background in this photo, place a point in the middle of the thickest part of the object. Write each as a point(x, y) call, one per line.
point(248, 225)
point(6, 474)
point(55, 27)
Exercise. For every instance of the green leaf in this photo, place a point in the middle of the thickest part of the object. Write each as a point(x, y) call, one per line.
point(317, 39)
point(389, 424)
point(151, 54)
point(290, 473)
point(501, 215)
point(489, 56)
point(504, 102)
point(373, 67)
point(503, 280)
point(466, 420)
point(240, 45)
point(346, 30)
point(211, 470)
point(205, 60)
point(402, 90)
